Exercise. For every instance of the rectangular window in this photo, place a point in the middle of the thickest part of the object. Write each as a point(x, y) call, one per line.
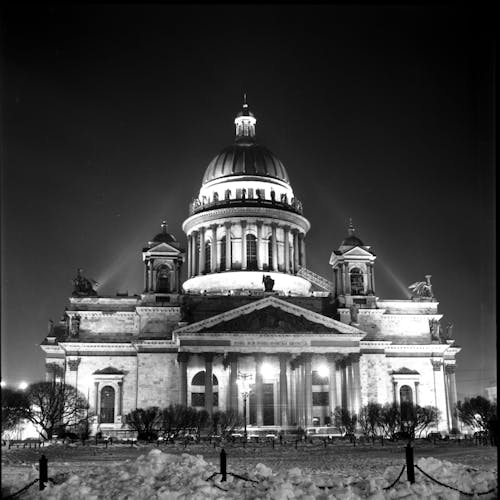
point(198, 399)
point(320, 398)
point(250, 192)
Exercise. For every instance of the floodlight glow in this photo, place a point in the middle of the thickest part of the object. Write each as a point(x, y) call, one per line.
point(3, 383)
point(267, 370)
point(323, 371)
point(23, 385)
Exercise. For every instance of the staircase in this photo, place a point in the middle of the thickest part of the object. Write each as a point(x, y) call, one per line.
point(316, 279)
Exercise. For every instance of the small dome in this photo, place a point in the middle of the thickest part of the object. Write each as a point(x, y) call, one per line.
point(352, 241)
point(245, 157)
point(164, 237)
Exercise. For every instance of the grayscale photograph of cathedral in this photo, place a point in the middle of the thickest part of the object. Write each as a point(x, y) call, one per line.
point(251, 310)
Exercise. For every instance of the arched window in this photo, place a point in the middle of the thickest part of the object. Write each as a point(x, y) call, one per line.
point(406, 401)
point(198, 390)
point(199, 379)
point(357, 285)
point(107, 405)
point(162, 279)
point(222, 262)
point(251, 252)
point(208, 256)
point(270, 254)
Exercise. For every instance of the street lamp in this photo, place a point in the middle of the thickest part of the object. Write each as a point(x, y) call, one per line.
point(23, 386)
point(243, 381)
point(3, 383)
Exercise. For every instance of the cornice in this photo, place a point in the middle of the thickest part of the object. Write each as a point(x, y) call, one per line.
point(261, 213)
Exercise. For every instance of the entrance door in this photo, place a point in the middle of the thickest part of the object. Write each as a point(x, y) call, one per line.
point(268, 401)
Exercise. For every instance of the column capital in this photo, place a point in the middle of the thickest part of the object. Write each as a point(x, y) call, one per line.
point(449, 368)
point(354, 357)
point(436, 364)
point(209, 356)
point(228, 225)
point(259, 223)
point(284, 355)
point(214, 226)
point(274, 225)
point(243, 223)
point(333, 356)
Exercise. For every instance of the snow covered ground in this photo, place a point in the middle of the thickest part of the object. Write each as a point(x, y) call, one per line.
point(158, 474)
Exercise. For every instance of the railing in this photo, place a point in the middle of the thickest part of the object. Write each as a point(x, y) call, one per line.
point(315, 278)
point(200, 206)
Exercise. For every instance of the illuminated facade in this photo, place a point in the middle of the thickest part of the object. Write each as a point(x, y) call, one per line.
point(250, 306)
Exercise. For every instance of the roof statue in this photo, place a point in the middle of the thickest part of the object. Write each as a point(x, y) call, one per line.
point(268, 283)
point(448, 332)
point(83, 287)
point(354, 310)
point(422, 290)
point(435, 329)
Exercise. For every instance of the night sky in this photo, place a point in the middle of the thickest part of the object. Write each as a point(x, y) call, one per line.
point(112, 113)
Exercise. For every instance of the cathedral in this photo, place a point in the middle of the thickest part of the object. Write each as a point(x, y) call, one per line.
point(252, 325)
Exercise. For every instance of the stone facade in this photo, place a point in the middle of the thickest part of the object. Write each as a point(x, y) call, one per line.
point(250, 308)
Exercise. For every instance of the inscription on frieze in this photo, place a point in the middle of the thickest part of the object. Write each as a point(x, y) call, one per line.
point(270, 343)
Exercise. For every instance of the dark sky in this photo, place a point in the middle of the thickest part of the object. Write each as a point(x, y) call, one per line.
point(112, 113)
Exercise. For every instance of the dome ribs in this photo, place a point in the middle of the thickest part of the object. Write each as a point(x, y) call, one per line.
point(245, 159)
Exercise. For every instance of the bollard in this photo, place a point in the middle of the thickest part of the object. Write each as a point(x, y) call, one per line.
point(272, 441)
point(223, 464)
point(324, 443)
point(296, 441)
point(410, 471)
point(44, 475)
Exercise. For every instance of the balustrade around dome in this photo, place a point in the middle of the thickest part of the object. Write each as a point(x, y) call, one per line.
point(202, 205)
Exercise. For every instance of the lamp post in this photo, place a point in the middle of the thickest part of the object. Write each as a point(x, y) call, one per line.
point(243, 382)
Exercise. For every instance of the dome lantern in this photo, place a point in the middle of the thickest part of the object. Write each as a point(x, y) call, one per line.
point(245, 122)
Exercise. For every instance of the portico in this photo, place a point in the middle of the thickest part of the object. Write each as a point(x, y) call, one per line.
point(299, 376)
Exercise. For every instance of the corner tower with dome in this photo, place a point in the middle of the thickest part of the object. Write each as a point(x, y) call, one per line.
point(250, 311)
point(245, 221)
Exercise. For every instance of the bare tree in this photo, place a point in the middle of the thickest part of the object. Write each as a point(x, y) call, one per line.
point(145, 421)
point(54, 404)
point(345, 420)
point(477, 412)
point(415, 419)
point(390, 420)
point(226, 422)
point(370, 419)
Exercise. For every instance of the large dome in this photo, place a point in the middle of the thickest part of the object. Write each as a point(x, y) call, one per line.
point(245, 158)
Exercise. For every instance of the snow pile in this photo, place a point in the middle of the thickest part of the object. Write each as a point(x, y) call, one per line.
point(164, 476)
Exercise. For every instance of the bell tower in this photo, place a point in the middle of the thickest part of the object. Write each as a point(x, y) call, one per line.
point(163, 258)
point(353, 272)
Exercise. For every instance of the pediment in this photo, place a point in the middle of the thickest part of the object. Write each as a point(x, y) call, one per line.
point(271, 315)
point(163, 248)
point(358, 252)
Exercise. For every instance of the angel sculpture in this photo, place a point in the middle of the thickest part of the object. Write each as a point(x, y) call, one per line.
point(422, 289)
